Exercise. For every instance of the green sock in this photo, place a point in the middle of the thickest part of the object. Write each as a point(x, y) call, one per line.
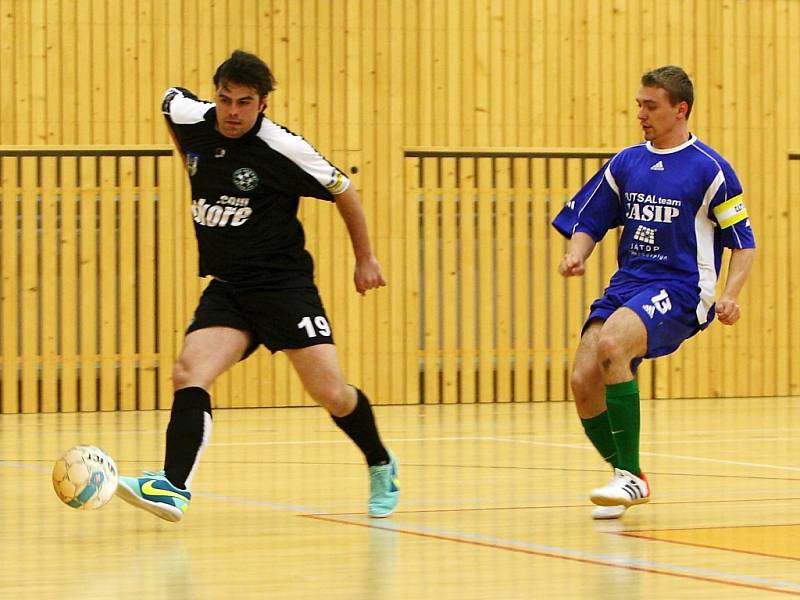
point(622, 400)
point(598, 430)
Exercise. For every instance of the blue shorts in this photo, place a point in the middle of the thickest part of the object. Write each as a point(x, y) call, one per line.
point(668, 311)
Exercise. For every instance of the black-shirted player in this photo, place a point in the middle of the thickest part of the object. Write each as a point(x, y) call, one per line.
point(247, 174)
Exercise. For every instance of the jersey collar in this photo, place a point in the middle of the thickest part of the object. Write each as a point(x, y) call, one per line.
point(692, 139)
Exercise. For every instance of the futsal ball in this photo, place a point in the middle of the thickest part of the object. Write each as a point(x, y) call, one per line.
point(85, 477)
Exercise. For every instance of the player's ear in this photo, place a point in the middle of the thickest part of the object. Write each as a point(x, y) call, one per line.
point(262, 104)
point(683, 108)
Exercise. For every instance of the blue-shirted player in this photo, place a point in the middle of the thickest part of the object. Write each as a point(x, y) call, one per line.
point(679, 204)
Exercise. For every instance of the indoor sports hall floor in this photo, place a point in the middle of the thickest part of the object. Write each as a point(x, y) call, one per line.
point(494, 506)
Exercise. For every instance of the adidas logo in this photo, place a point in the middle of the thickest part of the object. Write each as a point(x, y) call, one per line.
point(649, 309)
point(633, 490)
point(659, 166)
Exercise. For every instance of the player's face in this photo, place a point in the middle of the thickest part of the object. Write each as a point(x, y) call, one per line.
point(238, 107)
point(663, 124)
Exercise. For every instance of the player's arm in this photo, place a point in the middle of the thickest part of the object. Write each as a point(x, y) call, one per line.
point(728, 210)
point(174, 139)
point(316, 177)
point(586, 219)
point(191, 105)
point(739, 266)
point(368, 271)
point(579, 248)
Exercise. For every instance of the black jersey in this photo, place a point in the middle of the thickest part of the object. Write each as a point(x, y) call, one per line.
point(245, 193)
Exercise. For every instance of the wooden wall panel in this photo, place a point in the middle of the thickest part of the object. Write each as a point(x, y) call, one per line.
point(9, 263)
point(362, 81)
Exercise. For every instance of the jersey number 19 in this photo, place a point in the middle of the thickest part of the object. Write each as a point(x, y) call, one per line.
point(319, 325)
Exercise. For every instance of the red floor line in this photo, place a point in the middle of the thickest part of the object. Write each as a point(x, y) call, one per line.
point(638, 535)
point(715, 527)
point(590, 561)
point(586, 506)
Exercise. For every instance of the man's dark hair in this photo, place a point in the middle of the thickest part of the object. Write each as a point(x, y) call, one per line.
point(247, 69)
point(674, 81)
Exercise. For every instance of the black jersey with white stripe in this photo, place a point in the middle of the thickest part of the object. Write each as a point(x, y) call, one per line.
point(246, 191)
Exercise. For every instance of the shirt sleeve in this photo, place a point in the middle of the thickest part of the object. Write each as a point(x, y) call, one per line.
point(181, 107)
point(314, 176)
point(595, 209)
point(729, 213)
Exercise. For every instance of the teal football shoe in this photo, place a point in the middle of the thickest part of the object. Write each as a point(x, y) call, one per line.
point(384, 491)
point(154, 493)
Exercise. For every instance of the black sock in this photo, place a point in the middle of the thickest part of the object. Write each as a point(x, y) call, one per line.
point(187, 434)
point(360, 426)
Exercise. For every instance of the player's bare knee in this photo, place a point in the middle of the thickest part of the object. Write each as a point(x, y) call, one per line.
point(581, 384)
point(609, 350)
point(588, 391)
point(181, 374)
point(585, 388)
point(336, 399)
point(589, 406)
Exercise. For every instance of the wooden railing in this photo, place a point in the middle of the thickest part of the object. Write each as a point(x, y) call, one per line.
point(85, 277)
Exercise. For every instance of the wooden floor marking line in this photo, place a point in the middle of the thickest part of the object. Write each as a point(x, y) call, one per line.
point(756, 583)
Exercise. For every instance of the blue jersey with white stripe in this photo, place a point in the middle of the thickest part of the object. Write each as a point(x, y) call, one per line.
point(678, 207)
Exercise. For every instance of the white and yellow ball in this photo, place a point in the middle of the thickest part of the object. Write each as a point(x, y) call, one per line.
point(85, 477)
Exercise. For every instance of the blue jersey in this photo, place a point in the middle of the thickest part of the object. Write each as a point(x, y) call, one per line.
point(678, 207)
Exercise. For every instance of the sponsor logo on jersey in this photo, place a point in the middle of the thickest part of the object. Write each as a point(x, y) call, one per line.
point(656, 214)
point(646, 235)
point(219, 153)
point(245, 179)
point(649, 207)
point(649, 309)
point(228, 211)
point(643, 198)
point(191, 163)
point(659, 166)
point(644, 244)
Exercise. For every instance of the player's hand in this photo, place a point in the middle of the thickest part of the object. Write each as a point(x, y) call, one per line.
point(571, 265)
point(368, 274)
point(727, 311)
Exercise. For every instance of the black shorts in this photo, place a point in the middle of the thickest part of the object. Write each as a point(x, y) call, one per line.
point(279, 319)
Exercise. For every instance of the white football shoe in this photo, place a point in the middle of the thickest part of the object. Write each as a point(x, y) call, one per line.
point(624, 489)
point(601, 513)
